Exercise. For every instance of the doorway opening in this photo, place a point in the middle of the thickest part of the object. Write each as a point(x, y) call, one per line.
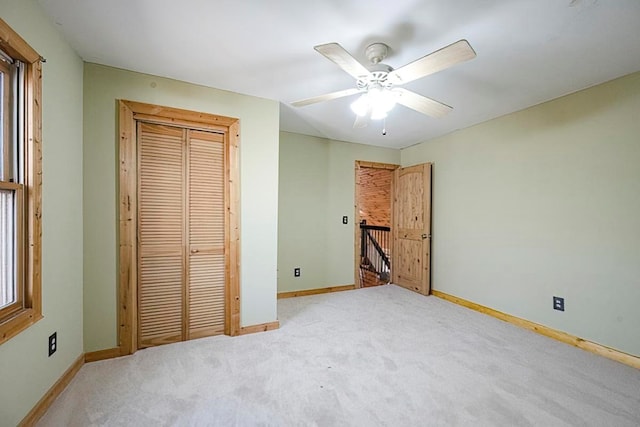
point(373, 197)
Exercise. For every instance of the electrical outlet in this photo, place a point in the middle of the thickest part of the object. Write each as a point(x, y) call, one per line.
point(53, 343)
point(296, 272)
point(345, 219)
point(558, 303)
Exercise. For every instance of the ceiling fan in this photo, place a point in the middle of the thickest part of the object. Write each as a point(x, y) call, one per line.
point(379, 83)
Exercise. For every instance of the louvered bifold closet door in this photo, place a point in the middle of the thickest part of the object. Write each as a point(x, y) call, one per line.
point(161, 226)
point(206, 273)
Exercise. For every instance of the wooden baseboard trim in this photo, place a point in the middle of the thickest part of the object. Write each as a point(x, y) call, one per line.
point(50, 396)
point(263, 327)
point(307, 292)
point(108, 353)
point(564, 337)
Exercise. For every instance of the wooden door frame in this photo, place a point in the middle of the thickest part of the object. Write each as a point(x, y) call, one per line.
point(372, 165)
point(129, 113)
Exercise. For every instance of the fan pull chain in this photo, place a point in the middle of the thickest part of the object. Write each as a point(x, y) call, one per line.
point(384, 126)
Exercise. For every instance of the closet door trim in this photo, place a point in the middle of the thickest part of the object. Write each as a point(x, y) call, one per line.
point(129, 113)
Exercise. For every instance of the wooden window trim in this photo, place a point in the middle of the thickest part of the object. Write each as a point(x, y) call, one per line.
point(129, 113)
point(16, 46)
point(31, 242)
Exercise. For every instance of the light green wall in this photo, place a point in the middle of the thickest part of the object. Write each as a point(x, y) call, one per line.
point(545, 202)
point(533, 204)
point(259, 189)
point(317, 187)
point(26, 371)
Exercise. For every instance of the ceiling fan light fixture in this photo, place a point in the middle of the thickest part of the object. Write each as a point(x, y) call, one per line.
point(361, 105)
point(382, 99)
point(377, 102)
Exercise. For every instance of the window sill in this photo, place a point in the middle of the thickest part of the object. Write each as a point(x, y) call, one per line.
point(17, 323)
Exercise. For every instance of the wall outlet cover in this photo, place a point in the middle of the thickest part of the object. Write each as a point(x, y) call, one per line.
point(53, 343)
point(558, 303)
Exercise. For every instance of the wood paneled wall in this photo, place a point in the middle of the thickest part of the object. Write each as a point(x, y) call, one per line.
point(374, 196)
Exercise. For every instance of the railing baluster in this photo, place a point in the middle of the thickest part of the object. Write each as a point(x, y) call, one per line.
point(375, 248)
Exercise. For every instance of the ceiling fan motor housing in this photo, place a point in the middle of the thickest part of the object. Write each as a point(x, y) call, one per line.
point(376, 52)
point(377, 77)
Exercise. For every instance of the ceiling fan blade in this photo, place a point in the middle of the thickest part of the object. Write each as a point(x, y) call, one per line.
point(446, 57)
point(325, 97)
point(421, 104)
point(343, 59)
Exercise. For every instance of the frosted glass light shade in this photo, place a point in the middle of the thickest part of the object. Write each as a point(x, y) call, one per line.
point(377, 101)
point(361, 105)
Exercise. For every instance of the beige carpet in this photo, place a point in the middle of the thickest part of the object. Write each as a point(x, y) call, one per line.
point(372, 357)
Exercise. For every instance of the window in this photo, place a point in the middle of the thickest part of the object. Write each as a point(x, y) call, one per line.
point(20, 184)
point(10, 187)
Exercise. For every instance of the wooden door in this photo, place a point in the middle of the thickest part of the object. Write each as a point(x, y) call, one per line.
point(206, 257)
point(181, 234)
point(160, 234)
point(411, 261)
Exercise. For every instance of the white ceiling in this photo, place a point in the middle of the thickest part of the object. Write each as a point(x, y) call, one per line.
point(529, 51)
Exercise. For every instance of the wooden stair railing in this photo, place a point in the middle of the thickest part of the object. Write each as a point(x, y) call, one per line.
point(375, 264)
